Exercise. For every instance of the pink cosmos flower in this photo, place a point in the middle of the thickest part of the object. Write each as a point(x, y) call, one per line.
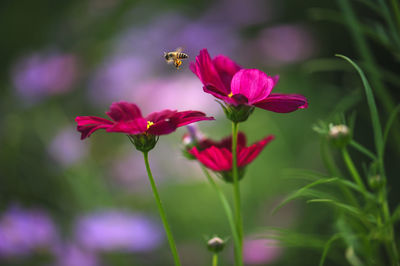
point(226, 80)
point(127, 118)
point(218, 155)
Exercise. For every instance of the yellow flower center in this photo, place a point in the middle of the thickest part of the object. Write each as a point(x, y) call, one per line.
point(149, 124)
point(230, 95)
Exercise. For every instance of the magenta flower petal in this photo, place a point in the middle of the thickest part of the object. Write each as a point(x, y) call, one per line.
point(217, 159)
point(247, 155)
point(89, 124)
point(207, 73)
point(283, 103)
point(224, 143)
point(133, 127)
point(254, 84)
point(128, 119)
point(159, 116)
point(218, 155)
point(124, 111)
point(226, 69)
point(162, 128)
point(188, 117)
point(167, 121)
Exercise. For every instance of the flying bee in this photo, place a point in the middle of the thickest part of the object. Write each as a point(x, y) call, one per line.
point(175, 57)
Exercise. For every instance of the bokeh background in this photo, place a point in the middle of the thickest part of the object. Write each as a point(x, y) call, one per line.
point(69, 202)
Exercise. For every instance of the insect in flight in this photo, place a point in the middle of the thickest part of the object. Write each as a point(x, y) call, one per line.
point(175, 57)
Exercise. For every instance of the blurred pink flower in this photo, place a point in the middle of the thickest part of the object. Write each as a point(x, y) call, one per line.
point(114, 230)
point(66, 148)
point(23, 231)
point(286, 44)
point(43, 74)
point(261, 251)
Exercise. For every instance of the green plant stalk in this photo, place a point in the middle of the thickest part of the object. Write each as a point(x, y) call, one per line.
point(215, 259)
point(228, 212)
point(236, 189)
point(391, 243)
point(161, 211)
point(352, 169)
point(334, 171)
point(395, 6)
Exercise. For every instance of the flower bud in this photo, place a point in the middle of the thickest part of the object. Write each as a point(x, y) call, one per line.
point(215, 244)
point(339, 135)
point(144, 142)
point(375, 182)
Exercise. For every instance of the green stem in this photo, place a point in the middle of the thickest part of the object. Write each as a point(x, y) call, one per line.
point(353, 170)
point(215, 259)
point(396, 11)
point(391, 243)
point(161, 211)
point(236, 188)
point(228, 212)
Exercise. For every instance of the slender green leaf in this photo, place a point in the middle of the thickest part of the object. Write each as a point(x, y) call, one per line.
point(376, 125)
point(306, 191)
point(389, 21)
point(348, 208)
point(396, 214)
point(327, 246)
point(362, 149)
point(289, 238)
point(389, 124)
point(372, 6)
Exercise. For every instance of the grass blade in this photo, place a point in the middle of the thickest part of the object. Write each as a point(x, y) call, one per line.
point(327, 247)
point(306, 191)
point(389, 124)
point(348, 208)
point(376, 125)
point(362, 149)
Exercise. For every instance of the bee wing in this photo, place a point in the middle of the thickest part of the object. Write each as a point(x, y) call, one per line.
point(179, 49)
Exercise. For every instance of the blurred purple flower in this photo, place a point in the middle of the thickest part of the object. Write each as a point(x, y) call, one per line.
point(24, 231)
point(241, 13)
point(66, 148)
point(117, 77)
point(72, 255)
point(40, 75)
point(128, 172)
point(260, 251)
point(118, 231)
point(286, 44)
point(190, 97)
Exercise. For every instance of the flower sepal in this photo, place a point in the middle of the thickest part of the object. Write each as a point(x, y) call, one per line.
point(228, 175)
point(144, 142)
point(238, 113)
